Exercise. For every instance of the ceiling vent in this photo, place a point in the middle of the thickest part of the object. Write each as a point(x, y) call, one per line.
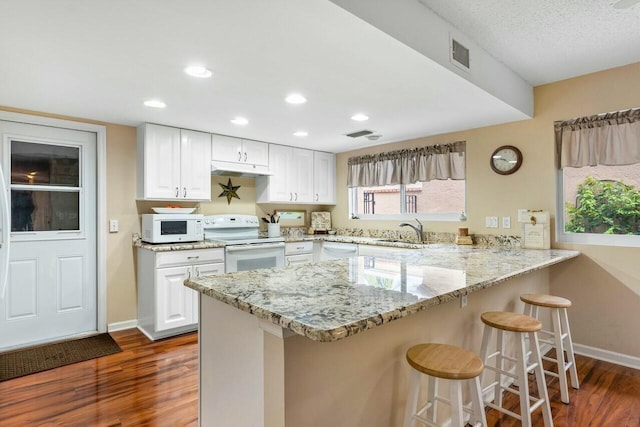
point(359, 133)
point(459, 55)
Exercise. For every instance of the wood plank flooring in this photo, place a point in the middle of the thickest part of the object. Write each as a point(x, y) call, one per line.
point(156, 384)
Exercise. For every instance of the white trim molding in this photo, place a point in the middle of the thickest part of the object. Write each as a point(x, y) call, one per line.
point(120, 326)
point(607, 356)
point(101, 199)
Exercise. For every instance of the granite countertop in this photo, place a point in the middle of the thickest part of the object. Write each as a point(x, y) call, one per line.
point(165, 247)
point(331, 300)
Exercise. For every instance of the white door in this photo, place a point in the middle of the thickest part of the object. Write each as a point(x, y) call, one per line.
point(255, 152)
point(280, 183)
point(303, 175)
point(174, 301)
point(324, 179)
point(226, 149)
point(52, 282)
point(161, 162)
point(203, 270)
point(195, 165)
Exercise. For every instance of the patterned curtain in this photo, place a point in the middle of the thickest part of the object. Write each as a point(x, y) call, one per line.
point(422, 164)
point(604, 139)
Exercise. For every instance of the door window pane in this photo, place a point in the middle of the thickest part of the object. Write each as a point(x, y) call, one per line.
point(44, 210)
point(44, 164)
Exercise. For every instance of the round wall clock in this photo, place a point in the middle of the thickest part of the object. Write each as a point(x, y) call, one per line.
point(506, 160)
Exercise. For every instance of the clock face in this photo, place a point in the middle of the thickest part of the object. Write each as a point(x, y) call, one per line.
point(506, 160)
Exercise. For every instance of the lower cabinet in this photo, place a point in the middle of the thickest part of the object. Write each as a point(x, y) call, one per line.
point(165, 306)
point(298, 253)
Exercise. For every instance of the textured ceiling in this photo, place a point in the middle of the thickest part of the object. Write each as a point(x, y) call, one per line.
point(548, 40)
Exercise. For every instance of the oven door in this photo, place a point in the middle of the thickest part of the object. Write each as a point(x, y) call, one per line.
point(254, 256)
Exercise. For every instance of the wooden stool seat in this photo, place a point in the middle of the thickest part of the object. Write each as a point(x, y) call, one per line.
point(458, 367)
point(542, 300)
point(444, 361)
point(513, 322)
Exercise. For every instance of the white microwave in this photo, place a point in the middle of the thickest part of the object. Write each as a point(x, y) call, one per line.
point(172, 228)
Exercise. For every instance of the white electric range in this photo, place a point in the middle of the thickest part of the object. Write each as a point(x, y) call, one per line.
point(245, 249)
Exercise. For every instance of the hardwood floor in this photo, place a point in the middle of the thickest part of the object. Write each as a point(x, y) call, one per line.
point(156, 384)
point(148, 383)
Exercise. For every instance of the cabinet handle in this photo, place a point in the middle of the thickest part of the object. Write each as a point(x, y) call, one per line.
point(299, 247)
point(193, 257)
point(290, 196)
point(288, 262)
point(245, 156)
point(317, 197)
point(296, 197)
point(189, 274)
point(239, 155)
point(184, 192)
point(177, 191)
point(197, 272)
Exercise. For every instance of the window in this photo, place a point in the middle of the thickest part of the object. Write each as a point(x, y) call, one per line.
point(599, 179)
point(45, 187)
point(425, 182)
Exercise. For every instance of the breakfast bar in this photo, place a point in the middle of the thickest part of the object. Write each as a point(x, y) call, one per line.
point(323, 344)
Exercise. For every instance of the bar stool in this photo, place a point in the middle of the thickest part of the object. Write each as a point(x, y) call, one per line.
point(521, 325)
point(556, 338)
point(443, 361)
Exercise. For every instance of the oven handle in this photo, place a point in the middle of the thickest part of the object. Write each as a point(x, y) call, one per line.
point(248, 247)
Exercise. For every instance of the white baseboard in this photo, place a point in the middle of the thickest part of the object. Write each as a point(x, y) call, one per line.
point(118, 326)
point(607, 356)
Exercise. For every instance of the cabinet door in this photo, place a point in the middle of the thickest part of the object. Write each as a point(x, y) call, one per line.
point(174, 301)
point(226, 149)
point(324, 177)
point(195, 162)
point(161, 162)
point(203, 270)
point(302, 175)
point(280, 182)
point(255, 152)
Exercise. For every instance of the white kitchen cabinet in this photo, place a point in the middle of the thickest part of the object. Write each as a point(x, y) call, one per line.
point(324, 178)
point(292, 179)
point(236, 153)
point(165, 306)
point(173, 164)
point(298, 252)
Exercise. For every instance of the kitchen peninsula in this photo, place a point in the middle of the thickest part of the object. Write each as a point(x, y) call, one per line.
point(323, 344)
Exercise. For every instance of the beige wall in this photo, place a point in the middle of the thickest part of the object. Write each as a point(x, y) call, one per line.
point(604, 285)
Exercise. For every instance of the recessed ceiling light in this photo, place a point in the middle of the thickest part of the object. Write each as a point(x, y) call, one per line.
point(240, 121)
point(155, 103)
point(295, 98)
point(360, 117)
point(301, 133)
point(198, 71)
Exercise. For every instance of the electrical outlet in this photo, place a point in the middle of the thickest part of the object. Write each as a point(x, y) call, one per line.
point(463, 301)
point(506, 222)
point(491, 222)
point(113, 226)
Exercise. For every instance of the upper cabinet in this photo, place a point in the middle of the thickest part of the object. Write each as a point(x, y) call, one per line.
point(298, 176)
point(242, 155)
point(173, 164)
point(324, 178)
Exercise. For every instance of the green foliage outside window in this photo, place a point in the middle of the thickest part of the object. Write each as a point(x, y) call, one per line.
point(605, 207)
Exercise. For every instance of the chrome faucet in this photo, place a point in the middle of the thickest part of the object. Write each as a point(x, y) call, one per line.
point(417, 229)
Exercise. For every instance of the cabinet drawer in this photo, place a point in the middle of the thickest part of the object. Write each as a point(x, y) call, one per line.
point(298, 247)
point(198, 256)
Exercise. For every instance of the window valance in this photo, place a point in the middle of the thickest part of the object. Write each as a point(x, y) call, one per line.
point(446, 161)
point(604, 139)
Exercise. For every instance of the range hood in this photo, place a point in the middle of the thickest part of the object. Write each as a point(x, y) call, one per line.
point(238, 169)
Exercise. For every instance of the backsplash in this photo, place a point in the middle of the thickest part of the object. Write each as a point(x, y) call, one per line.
point(486, 240)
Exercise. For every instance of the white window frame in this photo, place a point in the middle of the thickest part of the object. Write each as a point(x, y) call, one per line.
point(444, 216)
point(621, 240)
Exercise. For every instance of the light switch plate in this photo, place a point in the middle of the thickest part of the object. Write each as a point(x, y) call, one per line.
point(113, 226)
point(491, 222)
point(506, 222)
